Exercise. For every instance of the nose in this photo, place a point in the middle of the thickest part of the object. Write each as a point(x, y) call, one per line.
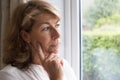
point(55, 34)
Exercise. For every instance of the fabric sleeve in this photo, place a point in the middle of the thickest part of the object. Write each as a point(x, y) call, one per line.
point(6, 76)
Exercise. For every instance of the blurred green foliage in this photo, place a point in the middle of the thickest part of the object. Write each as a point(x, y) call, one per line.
point(101, 48)
point(100, 10)
point(110, 20)
point(101, 55)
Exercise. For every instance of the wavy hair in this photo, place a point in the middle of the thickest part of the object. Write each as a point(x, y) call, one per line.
point(16, 51)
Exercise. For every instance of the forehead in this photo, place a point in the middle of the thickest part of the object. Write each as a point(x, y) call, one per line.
point(46, 19)
point(46, 16)
point(49, 18)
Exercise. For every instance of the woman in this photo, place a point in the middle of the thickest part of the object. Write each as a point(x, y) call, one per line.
point(31, 48)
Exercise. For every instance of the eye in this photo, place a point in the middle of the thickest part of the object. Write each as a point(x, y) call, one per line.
point(45, 28)
point(57, 25)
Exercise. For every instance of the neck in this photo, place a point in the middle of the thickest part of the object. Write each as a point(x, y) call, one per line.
point(36, 60)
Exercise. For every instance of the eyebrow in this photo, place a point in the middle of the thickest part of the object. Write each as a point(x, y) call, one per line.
point(45, 23)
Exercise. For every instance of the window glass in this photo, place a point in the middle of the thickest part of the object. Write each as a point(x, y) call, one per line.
point(100, 39)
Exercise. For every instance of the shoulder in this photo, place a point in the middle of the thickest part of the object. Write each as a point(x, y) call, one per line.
point(7, 73)
point(8, 69)
point(35, 72)
point(13, 73)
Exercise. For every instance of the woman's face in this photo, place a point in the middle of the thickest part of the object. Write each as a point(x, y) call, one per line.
point(46, 32)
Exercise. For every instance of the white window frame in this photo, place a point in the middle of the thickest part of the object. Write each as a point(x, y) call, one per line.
point(72, 34)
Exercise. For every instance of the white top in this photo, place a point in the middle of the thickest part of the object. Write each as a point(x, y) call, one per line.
point(36, 72)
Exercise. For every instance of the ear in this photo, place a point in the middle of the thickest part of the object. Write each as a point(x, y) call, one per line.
point(25, 36)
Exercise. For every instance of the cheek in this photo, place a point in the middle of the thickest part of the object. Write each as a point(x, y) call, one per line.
point(45, 41)
point(43, 38)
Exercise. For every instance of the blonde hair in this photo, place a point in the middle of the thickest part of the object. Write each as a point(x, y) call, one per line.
point(17, 51)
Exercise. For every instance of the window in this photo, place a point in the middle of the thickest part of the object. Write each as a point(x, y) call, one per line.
point(100, 40)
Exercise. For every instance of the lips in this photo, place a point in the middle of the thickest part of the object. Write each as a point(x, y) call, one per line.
point(55, 45)
point(53, 49)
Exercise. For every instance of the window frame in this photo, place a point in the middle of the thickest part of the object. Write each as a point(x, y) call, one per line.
point(72, 34)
